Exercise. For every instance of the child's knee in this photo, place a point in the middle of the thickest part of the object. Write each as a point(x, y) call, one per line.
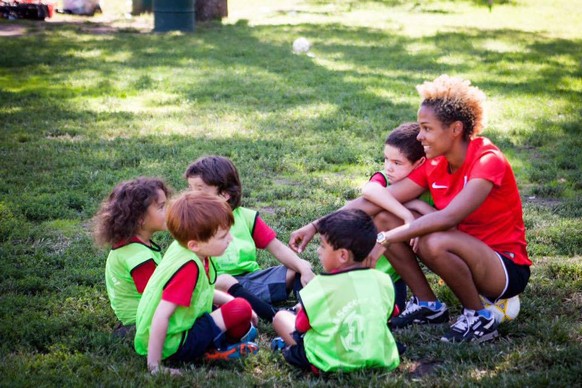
point(224, 282)
point(237, 310)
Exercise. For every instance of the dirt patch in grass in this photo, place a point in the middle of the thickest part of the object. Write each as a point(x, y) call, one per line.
point(12, 30)
point(423, 368)
point(101, 24)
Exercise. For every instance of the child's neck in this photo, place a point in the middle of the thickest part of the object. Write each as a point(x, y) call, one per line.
point(348, 266)
point(201, 257)
point(144, 236)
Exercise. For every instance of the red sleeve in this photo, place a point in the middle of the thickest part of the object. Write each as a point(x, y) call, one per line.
point(142, 274)
point(419, 175)
point(378, 177)
point(262, 233)
point(302, 321)
point(180, 288)
point(490, 167)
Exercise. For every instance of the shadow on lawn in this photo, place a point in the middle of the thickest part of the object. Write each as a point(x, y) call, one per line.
point(260, 72)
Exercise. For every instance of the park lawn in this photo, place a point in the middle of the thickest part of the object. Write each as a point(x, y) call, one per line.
point(84, 105)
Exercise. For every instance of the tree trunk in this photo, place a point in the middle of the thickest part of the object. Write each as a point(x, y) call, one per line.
point(211, 10)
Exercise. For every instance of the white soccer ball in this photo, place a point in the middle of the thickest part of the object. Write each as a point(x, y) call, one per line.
point(301, 45)
point(504, 309)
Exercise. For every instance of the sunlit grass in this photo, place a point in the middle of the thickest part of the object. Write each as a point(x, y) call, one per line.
point(88, 102)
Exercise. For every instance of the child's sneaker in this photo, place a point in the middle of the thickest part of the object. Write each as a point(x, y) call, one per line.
point(278, 344)
point(420, 312)
point(232, 352)
point(251, 335)
point(472, 327)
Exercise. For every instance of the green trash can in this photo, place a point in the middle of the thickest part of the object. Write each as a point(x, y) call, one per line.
point(174, 15)
point(148, 5)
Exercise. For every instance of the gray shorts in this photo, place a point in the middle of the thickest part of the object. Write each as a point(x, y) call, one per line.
point(270, 285)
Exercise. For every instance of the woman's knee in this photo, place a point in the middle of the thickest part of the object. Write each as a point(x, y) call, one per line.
point(386, 221)
point(432, 246)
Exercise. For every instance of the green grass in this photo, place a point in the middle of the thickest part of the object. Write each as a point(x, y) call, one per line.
point(84, 105)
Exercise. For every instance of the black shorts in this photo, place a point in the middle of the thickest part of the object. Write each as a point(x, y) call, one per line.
point(295, 354)
point(198, 340)
point(516, 277)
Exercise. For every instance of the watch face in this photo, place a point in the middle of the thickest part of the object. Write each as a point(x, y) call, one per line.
point(380, 238)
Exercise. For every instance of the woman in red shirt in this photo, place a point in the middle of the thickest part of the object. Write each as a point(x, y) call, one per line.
point(475, 241)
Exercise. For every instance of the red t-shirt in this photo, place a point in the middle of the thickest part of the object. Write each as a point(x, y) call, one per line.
point(262, 233)
point(378, 177)
point(180, 288)
point(498, 222)
point(141, 274)
point(302, 321)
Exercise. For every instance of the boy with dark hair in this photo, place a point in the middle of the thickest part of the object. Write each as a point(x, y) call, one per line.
point(240, 274)
point(342, 322)
point(175, 321)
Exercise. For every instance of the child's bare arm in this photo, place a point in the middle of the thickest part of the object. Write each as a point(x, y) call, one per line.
point(290, 260)
point(420, 207)
point(158, 332)
point(382, 197)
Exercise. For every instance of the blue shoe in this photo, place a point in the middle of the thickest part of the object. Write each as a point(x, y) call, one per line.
point(232, 352)
point(251, 335)
point(278, 344)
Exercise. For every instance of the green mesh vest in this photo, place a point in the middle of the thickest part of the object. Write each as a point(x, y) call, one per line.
point(348, 313)
point(121, 289)
point(184, 317)
point(383, 264)
point(241, 255)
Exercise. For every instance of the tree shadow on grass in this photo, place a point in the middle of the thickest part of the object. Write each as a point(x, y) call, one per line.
point(238, 68)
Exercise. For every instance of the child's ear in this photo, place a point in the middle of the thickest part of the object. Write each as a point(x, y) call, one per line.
point(193, 246)
point(344, 256)
point(224, 195)
point(419, 162)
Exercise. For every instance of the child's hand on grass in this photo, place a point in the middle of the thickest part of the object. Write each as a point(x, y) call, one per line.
point(157, 369)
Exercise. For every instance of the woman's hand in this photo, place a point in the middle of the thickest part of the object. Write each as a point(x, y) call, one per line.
point(301, 237)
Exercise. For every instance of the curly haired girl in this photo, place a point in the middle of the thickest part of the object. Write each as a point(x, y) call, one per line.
point(127, 219)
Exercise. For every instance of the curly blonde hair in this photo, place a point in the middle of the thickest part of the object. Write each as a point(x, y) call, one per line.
point(454, 99)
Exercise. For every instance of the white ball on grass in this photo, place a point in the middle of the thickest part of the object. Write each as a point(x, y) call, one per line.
point(301, 45)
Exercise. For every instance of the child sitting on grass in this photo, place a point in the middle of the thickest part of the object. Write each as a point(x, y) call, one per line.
point(175, 321)
point(342, 324)
point(240, 273)
point(403, 153)
point(127, 219)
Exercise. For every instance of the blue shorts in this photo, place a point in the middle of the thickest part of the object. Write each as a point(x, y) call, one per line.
point(198, 340)
point(270, 285)
point(516, 277)
point(295, 354)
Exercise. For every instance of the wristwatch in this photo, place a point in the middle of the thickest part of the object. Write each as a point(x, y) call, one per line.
point(381, 239)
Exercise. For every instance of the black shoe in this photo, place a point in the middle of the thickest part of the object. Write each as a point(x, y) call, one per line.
point(421, 313)
point(472, 327)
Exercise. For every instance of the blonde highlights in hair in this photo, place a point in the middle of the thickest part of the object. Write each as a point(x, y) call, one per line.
point(454, 99)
